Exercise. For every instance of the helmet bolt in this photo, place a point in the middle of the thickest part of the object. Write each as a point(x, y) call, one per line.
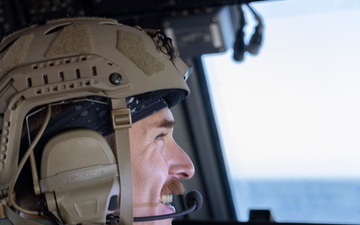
point(115, 78)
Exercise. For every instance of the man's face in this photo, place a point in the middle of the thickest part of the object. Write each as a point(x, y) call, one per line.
point(158, 163)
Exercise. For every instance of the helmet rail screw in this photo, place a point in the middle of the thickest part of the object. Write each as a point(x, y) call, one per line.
point(115, 78)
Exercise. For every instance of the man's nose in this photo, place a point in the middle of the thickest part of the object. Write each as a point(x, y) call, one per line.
point(180, 164)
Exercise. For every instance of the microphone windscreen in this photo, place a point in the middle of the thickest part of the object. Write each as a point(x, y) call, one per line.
point(194, 197)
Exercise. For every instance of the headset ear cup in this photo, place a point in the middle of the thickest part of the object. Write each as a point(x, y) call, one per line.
point(239, 46)
point(255, 41)
point(79, 177)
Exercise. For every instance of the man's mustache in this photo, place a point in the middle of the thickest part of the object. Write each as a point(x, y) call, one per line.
point(173, 186)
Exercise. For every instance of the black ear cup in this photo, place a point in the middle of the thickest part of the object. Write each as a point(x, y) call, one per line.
point(256, 39)
point(239, 45)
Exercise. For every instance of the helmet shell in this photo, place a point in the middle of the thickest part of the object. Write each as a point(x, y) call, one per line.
point(77, 57)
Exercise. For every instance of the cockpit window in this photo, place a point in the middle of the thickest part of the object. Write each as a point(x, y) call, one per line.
point(289, 117)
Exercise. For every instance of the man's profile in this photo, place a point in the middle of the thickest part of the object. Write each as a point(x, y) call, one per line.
point(87, 131)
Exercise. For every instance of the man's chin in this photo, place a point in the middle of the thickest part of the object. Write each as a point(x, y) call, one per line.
point(149, 210)
point(165, 209)
point(163, 222)
point(156, 222)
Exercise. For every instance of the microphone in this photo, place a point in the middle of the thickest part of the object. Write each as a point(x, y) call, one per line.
point(193, 201)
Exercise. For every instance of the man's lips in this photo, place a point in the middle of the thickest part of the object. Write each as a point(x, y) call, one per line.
point(166, 199)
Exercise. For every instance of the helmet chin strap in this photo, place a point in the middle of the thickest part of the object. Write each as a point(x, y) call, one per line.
point(121, 117)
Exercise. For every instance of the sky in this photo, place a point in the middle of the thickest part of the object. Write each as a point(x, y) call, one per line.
point(292, 110)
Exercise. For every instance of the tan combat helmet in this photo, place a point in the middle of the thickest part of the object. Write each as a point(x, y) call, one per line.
point(74, 58)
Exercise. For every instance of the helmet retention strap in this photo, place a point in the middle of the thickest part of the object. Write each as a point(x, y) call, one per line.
point(122, 122)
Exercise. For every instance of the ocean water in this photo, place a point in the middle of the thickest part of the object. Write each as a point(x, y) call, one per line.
point(312, 200)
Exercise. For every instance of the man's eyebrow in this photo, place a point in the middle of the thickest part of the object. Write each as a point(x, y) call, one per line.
point(166, 123)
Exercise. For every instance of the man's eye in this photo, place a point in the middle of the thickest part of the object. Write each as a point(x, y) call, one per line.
point(160, 136)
